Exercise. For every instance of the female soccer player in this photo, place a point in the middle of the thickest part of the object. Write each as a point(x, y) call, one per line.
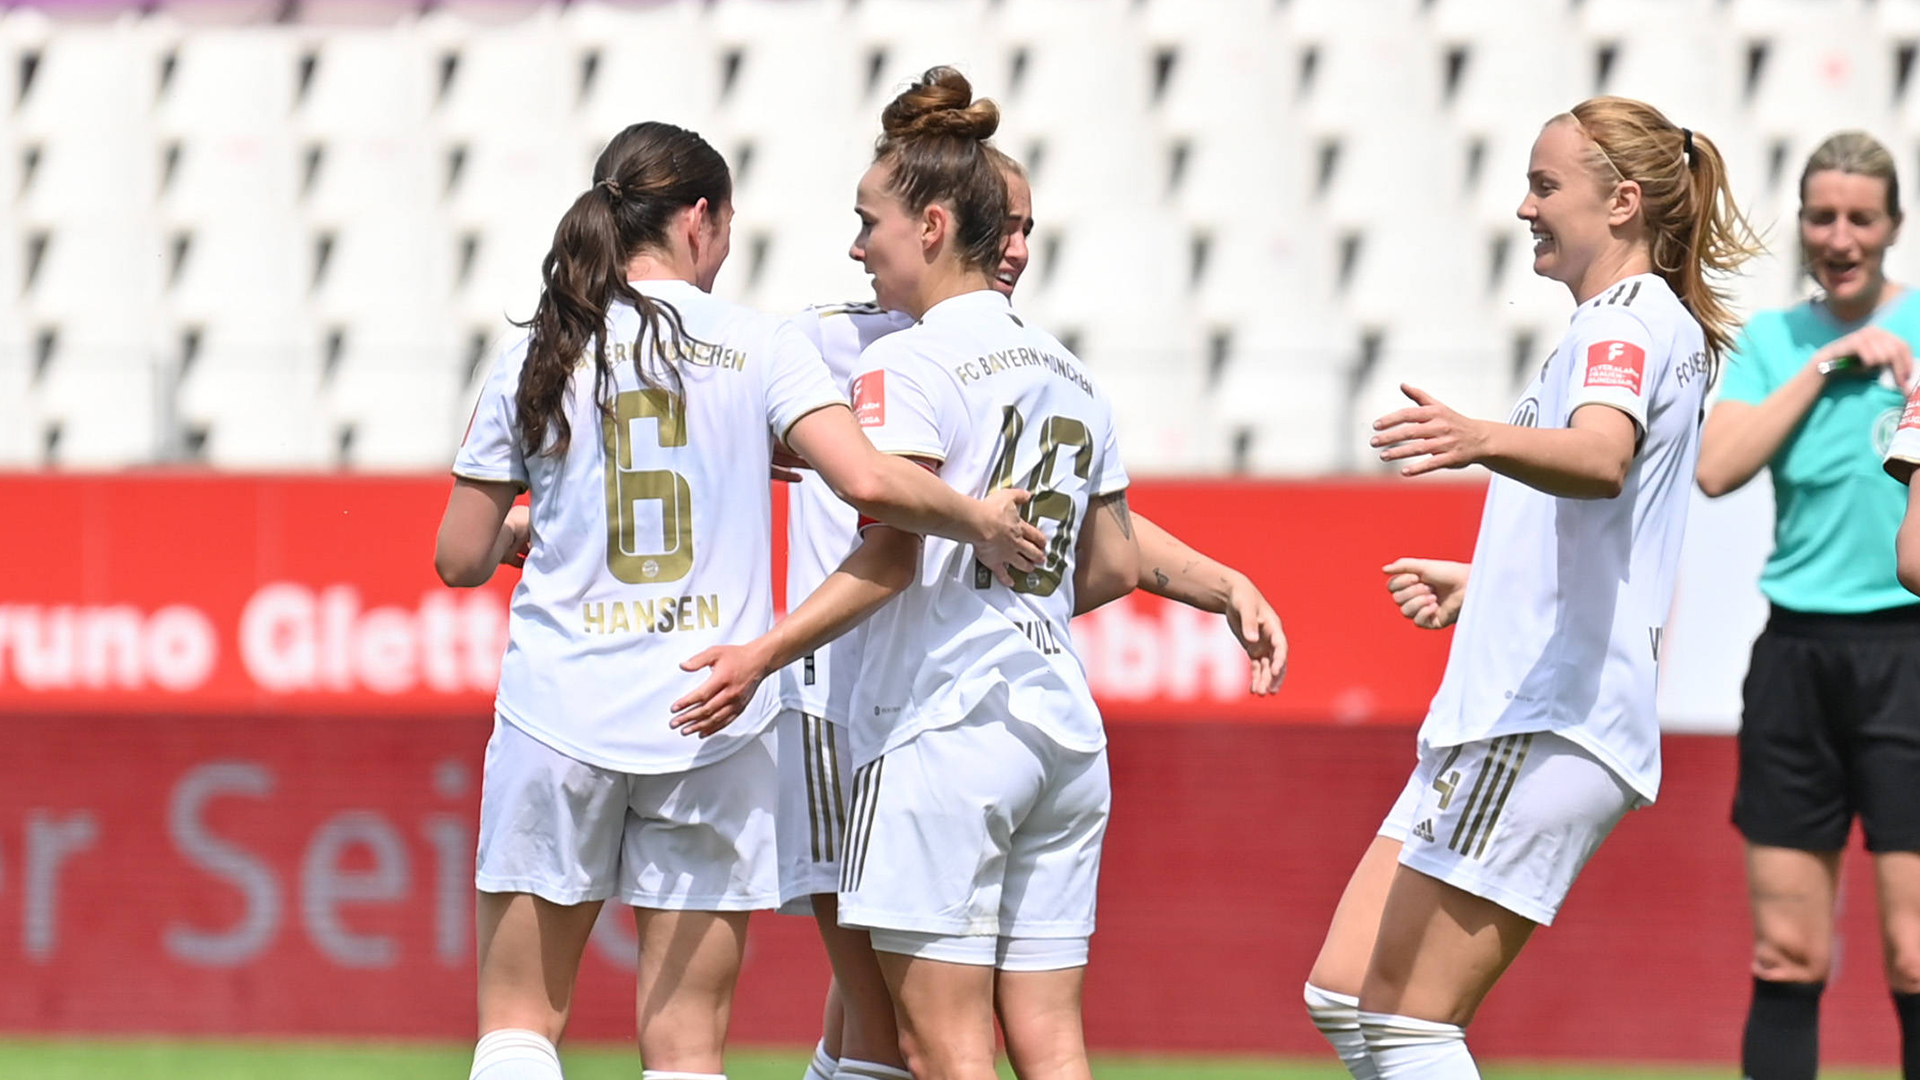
point(970, 696)
point(1543, 732)
point(1831, 720)
point(635, 409)
point(860, 1039)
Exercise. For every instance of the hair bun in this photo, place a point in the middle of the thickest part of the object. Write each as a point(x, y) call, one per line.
point(940, 103)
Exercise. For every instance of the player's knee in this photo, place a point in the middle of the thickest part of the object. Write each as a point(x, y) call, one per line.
point(1903, 963)
point(1783, 957)
point(1331, 1012)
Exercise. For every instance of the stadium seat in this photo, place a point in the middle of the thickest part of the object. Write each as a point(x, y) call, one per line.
point(503, 82)
point(1674, 54)
point(250, 390)
point(392, 397)
point(653, 61)
point(103, 387)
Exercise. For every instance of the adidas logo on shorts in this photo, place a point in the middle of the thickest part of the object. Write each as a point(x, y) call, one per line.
point(1424, 830)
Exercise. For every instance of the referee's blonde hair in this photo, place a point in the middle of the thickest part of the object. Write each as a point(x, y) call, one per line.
point(1695, 232)
point(1859, 154)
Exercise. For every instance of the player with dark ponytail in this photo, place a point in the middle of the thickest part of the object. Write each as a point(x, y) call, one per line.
point(640, 413)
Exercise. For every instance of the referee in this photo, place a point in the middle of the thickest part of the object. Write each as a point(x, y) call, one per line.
point(1831, 720)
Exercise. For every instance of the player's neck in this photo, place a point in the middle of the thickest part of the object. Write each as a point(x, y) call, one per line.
point(937, 287)
point(1609, 268)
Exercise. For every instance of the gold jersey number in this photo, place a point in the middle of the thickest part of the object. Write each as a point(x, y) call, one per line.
point(1049, 503)
point(629, 486)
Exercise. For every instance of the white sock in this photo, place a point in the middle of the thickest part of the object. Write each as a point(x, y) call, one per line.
point(515, 1054)
point(1338, 1018)
point(869, 1070)
point(1404, 1047)
point(822, 1065)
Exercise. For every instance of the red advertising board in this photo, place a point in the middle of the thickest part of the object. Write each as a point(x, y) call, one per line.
point(196, 593)
point(312, 875)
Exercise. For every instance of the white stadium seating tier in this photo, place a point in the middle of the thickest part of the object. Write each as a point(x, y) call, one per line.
point(257, 241)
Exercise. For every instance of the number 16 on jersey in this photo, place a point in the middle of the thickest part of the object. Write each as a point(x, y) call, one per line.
point(1050, 502)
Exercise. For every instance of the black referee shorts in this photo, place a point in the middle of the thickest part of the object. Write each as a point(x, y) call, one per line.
point(1831, 728)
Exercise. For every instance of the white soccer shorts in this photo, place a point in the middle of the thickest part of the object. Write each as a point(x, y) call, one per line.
point(815, 777)
point(1512, 819)
point(975, 837)
point(570, 832)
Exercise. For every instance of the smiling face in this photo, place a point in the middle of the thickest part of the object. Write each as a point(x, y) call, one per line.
point(1845, 230)
point(1567, 210)
point(1013, 257)
point(889, 242)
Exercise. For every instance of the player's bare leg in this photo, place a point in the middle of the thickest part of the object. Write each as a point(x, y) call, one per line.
point(1792, 894)
point(945, 1012)
point(1342, 964)
point(528, 956)
point(833, 1020)
point(867, 1031)
point(1898, 877)
point(1333, 987)
point(1040, 1016)
point(689, 962)
point(1439, 950)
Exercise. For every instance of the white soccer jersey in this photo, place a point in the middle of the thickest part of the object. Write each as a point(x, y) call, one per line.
point(996, 403)
point(652, 534)
point(820, 528)
point(1569, 597)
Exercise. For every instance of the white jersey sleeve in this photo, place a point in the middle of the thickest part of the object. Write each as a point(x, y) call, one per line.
point(798, 381)
point(1109, 473)
point(1903, 452)
point(491, 450)
point(1610, 351)
point(907, 405)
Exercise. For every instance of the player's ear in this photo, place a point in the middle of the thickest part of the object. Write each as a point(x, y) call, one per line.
point(1624, 203)
point(936, 223)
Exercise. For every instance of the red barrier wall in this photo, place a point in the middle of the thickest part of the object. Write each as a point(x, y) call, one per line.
point(311, 875)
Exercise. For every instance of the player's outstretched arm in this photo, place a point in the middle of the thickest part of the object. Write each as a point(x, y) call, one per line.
point(1170, 568)
point(900, 493)
point(1428, 591)
point(1106, 559)
point(480, 530)
point(876, 571)
point(1588, 459)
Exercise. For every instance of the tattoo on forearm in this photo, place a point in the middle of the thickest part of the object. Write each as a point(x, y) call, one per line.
point(1117, 506)
point(1161, 577)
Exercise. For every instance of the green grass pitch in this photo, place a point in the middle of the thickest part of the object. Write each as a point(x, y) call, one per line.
point(74, 1059)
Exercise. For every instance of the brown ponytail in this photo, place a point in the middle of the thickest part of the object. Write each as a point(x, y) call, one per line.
point(645, 176)
point(1695, 232)
point(933, 136)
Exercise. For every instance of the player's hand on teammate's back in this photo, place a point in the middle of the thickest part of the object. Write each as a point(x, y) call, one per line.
point(1011, 539)
point(519, 520)
point(1428, 591)
point(738, 671)
point(1447, 439)
point(1257, 627)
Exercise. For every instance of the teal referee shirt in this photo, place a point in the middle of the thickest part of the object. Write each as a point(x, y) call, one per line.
point(1835, 508)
